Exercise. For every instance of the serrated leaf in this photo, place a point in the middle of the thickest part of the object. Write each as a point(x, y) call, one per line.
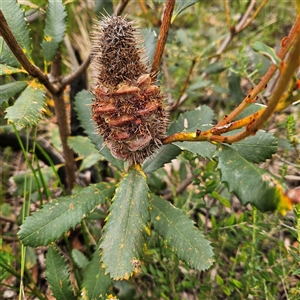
point(14, 16)
point(162, 156)
point(256, 148)
point(95, 282)
point(8, 70)
point(62, 214)
point(11, 89)
point(181, 6)
point(180, 234)
point(54, 30)
point(267, 51)
point(29, 107)
point(80, 259)
point(57, 273)
point(248, 182)
point(6, 56)
point(83, 102)
point(126, 228)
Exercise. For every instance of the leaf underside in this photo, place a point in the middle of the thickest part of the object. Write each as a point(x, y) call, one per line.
point(126, 228)
point(62, 214)
point(248, 182)
point(29, 107)
point(95, 282)
point(57, 273)
point(54, 29)
point(180, 234)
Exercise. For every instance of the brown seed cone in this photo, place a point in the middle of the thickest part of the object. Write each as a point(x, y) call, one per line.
point(128, 110)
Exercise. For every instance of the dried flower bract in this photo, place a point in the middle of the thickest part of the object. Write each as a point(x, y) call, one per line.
point(128, 109)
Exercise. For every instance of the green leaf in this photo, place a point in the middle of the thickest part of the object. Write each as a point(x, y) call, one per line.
point(54, 30)
point(267, 51)
point(234, 85)
point(7, 70)
point(11, 89)
point(199, 84)
point(95, 282)
point(14, 16)
point(61, 214)
point(162, 156)
point(180, 234)
point(150, 38)
point(84, 147)
point(80, 259)
point(57, 273)
point(181, 6)
point(29, 107)
point(256, 148)
point(126, 228)
point(83, 102)
point(190, 121)
point(6, 56)
point(248, 182)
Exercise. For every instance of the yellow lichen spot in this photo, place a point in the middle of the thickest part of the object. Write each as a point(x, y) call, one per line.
point(157, 218)
point(122, 246)
point(148, 230)
point(48, 38)
point(285, 203)
point(110, 296)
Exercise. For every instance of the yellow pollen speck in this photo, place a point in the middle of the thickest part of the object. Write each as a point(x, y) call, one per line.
point(48, 38)
point(157, 218)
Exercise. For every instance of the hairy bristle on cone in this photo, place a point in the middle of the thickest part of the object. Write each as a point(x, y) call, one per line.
point(128, 109)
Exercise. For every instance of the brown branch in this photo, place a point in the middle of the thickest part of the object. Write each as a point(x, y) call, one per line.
point(163, 35)
point(288, 71)
point(233, 32)
point(70, 78)
point(262, 84)
point(64, 130)
point(14, 46)
point(181, 188)
point(120, 7)
point(185, 84)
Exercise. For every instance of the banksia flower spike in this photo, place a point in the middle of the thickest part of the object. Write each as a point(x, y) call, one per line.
point(128, 108)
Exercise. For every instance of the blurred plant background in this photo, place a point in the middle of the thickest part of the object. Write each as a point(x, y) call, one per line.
point(256, 254)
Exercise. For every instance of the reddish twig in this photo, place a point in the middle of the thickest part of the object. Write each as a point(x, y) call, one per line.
point(163, 35)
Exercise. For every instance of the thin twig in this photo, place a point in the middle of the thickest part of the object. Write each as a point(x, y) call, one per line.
point(227, 13)
point(233, 32)
point(163, 35)
point(70, 78)
point(185, 85)
point(7, 219)
point(182, 187)
point(120, 7)
point(262, 84)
